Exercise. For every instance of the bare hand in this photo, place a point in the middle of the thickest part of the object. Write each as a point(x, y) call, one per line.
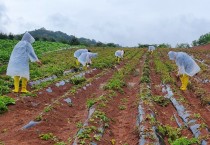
point(39, 62)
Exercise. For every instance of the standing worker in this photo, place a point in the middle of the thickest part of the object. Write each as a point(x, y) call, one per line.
point(78, 52)
point(18, 66)
point(85, 59)
point(186, 67)
point(151, 49)
point(119, 55)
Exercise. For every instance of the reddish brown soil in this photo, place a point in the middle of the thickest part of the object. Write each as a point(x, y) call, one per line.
point(61, 121)
point(202, 47)
point(164, 114)
point(27, 108)
point(123, 127)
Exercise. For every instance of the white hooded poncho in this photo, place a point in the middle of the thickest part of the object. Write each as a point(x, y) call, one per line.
point(19, 59)
point(151, 48)
point(119, 53)
point(185, 63)
point(78, 52)
point(86, 57)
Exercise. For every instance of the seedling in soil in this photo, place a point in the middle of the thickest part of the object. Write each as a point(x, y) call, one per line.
point(4, 101)
point(1, 143)
point(160, 100)
point(48, 108)
point(101, 105)
point(145, 79)
point(101, 115)
point(197, 115)
point(122, 107)
point(112, 94)
point(171, 132)
point(90, 102)
point(186, 141)
point(29, 94)
point(113, 141)
point(38, 118)
point(124, 100)
point(77, 80)
point(79, 124)
point(3, 108)
point(46, 136)
point(73, 90)
point(203, 125)
point(60, 143)
point(85, 133)
point(97, 137)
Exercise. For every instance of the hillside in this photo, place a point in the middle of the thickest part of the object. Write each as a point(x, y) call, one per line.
point(58, 36)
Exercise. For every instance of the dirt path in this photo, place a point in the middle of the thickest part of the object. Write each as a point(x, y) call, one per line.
point(123, 113)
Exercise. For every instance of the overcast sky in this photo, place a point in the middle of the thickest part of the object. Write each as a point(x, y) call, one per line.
point(126, 22)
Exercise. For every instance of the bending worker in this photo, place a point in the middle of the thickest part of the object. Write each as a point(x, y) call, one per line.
point(151, 49)
point(18, 66)
point(78, 52)
point(119, 55)
point(186, 67)
point(85, 59)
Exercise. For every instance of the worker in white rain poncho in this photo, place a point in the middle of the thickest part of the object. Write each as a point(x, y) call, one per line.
point(78, 52)
point(18, 66)
point(151, 49)
point(85, 59)
point(186, 67)
point(119, 54)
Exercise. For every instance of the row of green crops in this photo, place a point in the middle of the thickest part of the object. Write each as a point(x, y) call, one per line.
point(56, 62)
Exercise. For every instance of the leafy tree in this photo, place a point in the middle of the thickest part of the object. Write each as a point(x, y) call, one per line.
point(203, 39)
point(143, 45)
point(164, 45)
point(111, 45)
point(74, 41)
point(183, 45)
point(11, 36)
point(3, 36)
point(100, 44)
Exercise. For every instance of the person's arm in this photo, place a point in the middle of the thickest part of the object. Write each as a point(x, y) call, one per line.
point(33, 56)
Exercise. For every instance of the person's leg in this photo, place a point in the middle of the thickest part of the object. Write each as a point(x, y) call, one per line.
point(77, 62)
point(118, 59)
point(16, 84)
point(24, 84)
point(185, 81)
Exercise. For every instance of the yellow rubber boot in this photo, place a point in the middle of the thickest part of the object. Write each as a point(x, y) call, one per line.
point(24, 84)
point(16, 84)
point(185, 81)
point(118, 59)
point(77, 62)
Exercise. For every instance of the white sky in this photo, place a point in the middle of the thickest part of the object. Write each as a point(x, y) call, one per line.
point(126, 22)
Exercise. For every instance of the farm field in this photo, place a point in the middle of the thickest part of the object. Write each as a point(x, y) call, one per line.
point(136, 101)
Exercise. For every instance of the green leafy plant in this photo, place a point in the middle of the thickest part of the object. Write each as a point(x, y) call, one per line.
point(79, 124)
point(90, 102)
point(171, 132)
point(60, 143)
point(77, 80)
point(46, 136)
point(4, 101)
point(185, 141)
point(160, 100)
point(48, 108)
point(122, 107)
